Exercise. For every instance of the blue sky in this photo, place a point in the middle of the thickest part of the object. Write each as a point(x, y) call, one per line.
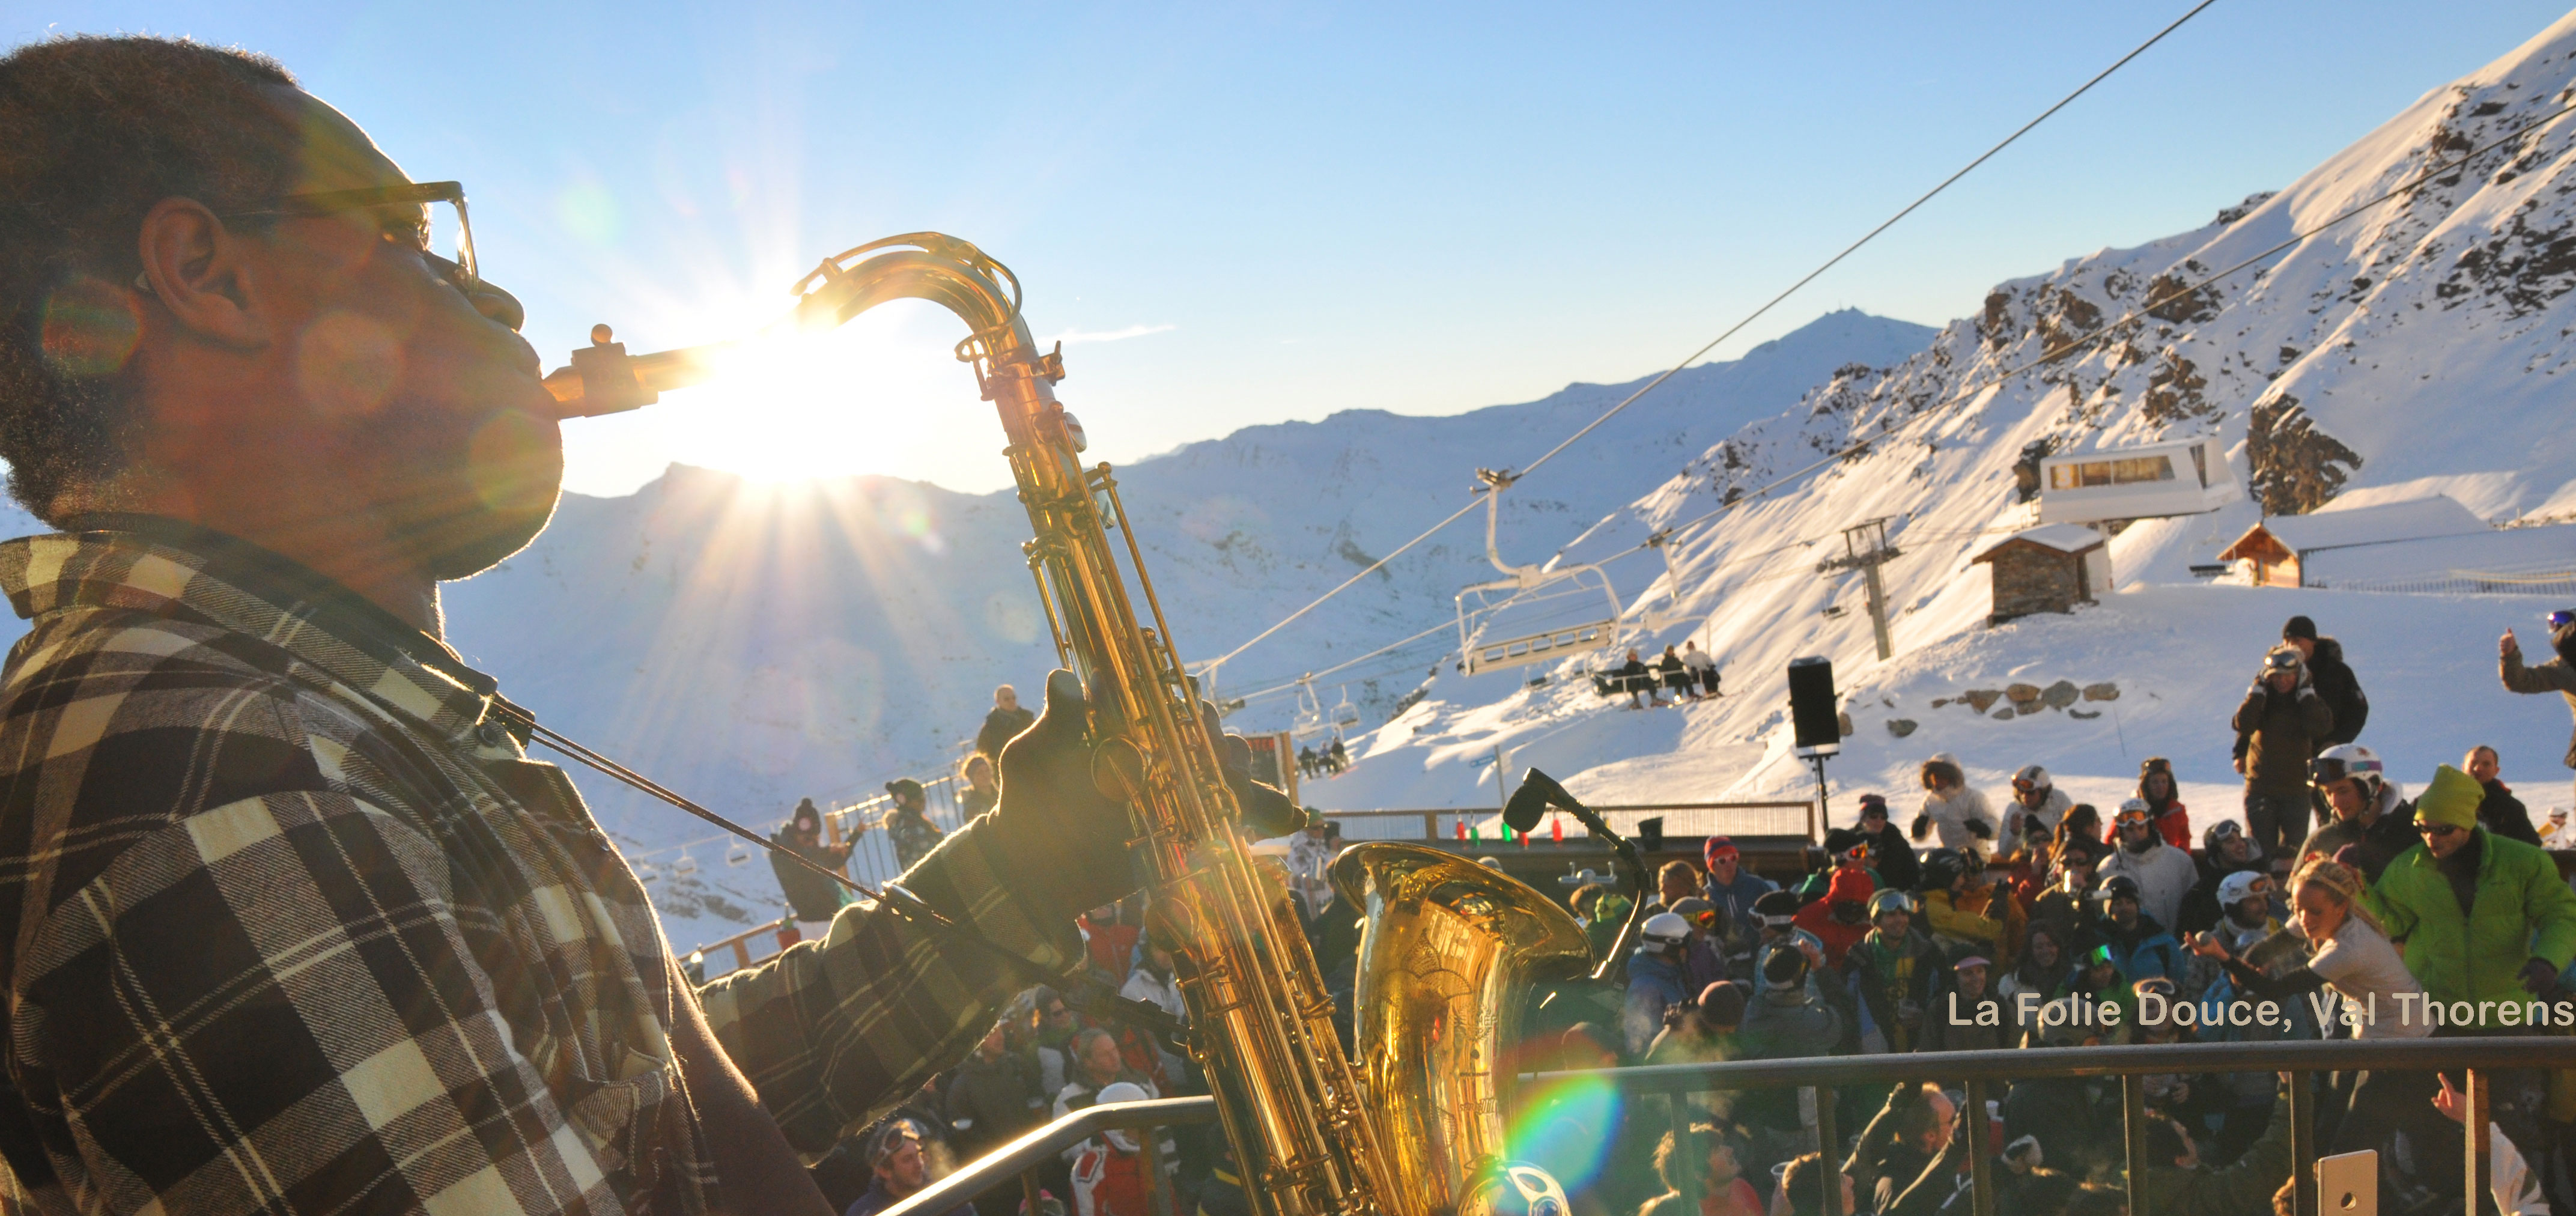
point(1248, 213)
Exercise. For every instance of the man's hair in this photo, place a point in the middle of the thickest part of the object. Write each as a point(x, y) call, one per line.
point(94, 131)
point(1919, 1118)
point(1704, 1139)
point(1082, 1040)
point(1800, 1181)
point(1683, 868)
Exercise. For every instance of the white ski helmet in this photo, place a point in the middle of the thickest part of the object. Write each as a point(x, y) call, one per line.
point(1665, 929)
point(2347, 760)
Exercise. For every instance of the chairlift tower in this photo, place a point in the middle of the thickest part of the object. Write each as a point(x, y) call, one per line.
point(1478, 607)
point(1865, 549)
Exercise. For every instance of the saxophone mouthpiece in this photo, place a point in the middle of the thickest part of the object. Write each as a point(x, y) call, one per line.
point(604, 379)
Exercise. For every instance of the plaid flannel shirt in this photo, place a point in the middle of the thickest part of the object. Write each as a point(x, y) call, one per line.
point(292, 923)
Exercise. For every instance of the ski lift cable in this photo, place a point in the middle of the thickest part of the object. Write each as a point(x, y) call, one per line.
point(1873, 233)
point(2179, 290)
point(1211, 665)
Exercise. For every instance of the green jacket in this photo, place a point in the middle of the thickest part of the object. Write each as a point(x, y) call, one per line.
point(2242, 1187)
point(2522, 911)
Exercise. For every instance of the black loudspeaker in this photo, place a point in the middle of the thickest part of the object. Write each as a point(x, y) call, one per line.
point(1817, 725)
point(1650, 834)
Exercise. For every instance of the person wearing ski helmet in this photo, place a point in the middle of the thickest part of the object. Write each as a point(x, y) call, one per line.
point(2371, 816)
point(2164, 874)
point(2557, 675)
point(2156, 788)
point(1776, 914)
point(1893, 970)
point(2137, 941)
point(1654, 978)
point(2279, 728)
point(2035, 796)
point(2225, 849)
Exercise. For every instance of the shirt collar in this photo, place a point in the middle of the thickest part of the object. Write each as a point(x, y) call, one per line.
point(170, 567)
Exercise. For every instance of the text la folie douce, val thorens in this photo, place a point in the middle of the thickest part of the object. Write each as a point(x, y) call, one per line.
point(2154, 1009)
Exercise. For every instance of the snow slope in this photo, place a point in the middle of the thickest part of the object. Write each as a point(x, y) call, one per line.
point(2413, 350)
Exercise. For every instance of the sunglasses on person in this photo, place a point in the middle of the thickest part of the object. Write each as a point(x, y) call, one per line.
point(1057, 1011)
point(2438, 831)
point(2561, 617)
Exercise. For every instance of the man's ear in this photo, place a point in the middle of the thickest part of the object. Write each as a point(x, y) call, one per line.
point(199, 271)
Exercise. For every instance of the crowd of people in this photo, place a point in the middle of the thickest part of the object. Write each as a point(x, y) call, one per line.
point(1046, 1058)
point(2339, 908)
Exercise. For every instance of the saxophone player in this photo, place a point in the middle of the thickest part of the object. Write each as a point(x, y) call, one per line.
point(291, 918)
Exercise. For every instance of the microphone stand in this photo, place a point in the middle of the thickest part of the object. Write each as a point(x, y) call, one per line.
point(1537, 795)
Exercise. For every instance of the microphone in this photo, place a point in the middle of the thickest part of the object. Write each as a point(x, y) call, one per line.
point(1540, 793)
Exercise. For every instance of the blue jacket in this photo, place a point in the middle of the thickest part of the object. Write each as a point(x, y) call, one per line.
point(2144, 951)
point(1736, 900)
point(1654, 983)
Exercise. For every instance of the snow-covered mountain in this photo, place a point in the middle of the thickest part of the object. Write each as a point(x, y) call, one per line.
point(752, 644)
point(2411, 350)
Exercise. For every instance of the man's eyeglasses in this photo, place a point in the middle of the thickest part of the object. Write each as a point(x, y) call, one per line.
point(2438, 830)
point(423, 216)
point(1057, 1011)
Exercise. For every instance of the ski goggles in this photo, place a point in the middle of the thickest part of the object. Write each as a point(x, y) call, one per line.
point(2130, 819)
point(2560, 618)
point(2326, 771)
point(2023, 785)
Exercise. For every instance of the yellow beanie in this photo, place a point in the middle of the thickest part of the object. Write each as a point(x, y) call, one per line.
point(2452, 799)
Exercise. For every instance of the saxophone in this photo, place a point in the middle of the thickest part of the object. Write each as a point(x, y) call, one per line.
point(1449, 949)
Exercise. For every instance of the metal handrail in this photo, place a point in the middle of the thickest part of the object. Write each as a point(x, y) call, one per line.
point(1008, 1162)
point(2131, 1063)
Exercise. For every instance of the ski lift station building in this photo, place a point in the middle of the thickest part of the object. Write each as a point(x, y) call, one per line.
point(2183, 477)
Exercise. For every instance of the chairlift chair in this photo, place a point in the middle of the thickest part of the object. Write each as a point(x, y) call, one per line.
point(739, 854)
point(685, 864)
point(1345, 714)
point(646, 871)
point(1490, 640)
point(1310, 712)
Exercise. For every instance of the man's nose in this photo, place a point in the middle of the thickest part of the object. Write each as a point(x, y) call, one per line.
point(497, 305)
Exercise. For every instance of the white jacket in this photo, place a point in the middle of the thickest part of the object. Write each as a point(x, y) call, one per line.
point(1951, 815)
point(2164, 875)
point(2052, 811)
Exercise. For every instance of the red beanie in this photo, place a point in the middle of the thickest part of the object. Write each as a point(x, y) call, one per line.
point(1849, 887)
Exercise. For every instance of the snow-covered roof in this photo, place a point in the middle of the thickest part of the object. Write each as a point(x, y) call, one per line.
point(2414, 519)
point(2065, 538)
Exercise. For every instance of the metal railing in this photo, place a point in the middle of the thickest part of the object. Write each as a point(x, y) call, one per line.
point(1976, 1070)
point(1680, 819)
point(1015, 1161)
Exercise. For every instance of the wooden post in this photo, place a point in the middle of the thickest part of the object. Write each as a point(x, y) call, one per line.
point(1981, 1152)
point(1686, 1165)
point(2133, 1133)
point(2303, 1143)
point(1430, 826)
point(2474, 1130)
point(1829, 1151)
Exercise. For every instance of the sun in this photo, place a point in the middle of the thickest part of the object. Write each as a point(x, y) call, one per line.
point(881, 394)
